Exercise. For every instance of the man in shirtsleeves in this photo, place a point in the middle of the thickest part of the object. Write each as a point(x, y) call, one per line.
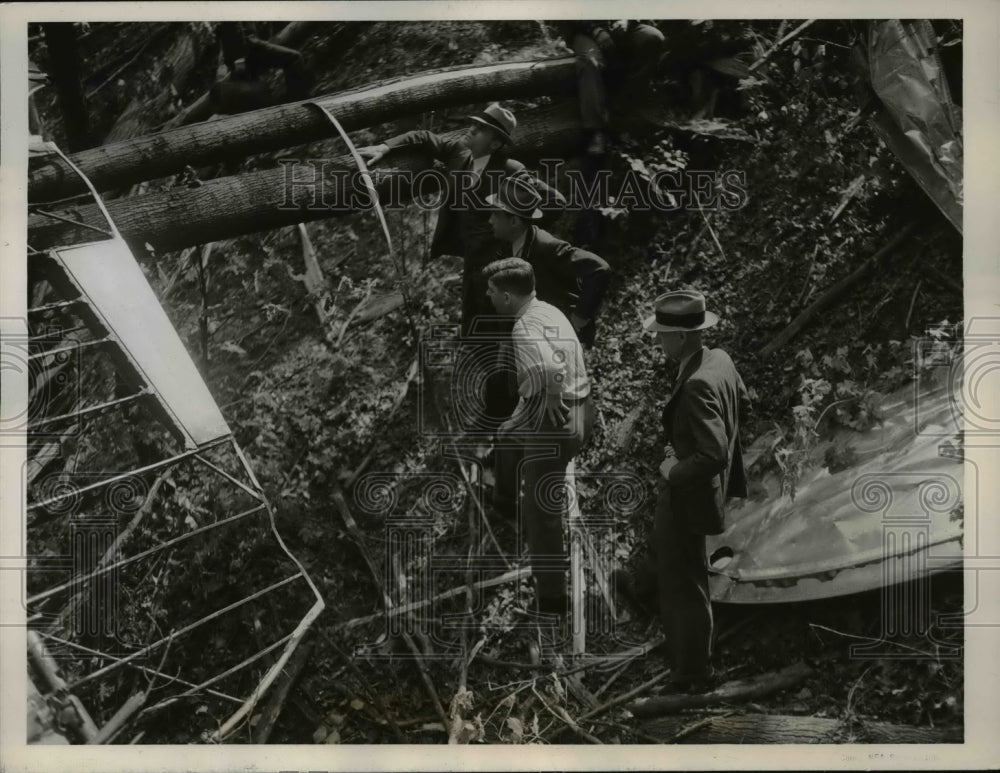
point(552, 421)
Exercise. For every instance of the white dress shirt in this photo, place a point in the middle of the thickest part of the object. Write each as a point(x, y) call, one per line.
point(547, 354)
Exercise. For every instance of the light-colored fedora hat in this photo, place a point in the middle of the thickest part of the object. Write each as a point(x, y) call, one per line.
point(679, 310)
point(497, 118)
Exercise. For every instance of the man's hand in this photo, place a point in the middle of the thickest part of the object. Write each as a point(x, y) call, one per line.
point(556, 410)
point(667, 465)
point(603, 39)
point(578, 322)
point(373, 153)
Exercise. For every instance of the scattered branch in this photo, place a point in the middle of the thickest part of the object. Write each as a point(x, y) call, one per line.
point(835, 293)
point(781, 42)
point(740, 690)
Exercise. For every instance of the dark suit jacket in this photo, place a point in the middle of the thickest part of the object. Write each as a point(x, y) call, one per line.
point(702, 422)
point(465, 230)
point(569, 278)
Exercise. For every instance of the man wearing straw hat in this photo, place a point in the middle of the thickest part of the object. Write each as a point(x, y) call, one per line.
point(704, 465)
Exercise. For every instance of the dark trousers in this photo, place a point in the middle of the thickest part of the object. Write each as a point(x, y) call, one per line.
point(590, 64)
point(682, 580)
point(628, 71)
point(530, 467)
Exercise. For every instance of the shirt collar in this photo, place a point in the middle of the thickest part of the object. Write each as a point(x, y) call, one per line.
point(479, 163)
point(525, 307)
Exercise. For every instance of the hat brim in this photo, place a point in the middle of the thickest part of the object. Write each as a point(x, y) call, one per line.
point(488, 125)
point(650, 325)
point(494, 203)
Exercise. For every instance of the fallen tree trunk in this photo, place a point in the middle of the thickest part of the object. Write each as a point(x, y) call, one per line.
point(774, 728)
point(290, 36)
point(261, 201)
point(835, 293)
point(173, 72)
point(273, 128)
point(741, 690)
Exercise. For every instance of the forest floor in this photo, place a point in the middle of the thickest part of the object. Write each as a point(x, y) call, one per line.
point(315, 409)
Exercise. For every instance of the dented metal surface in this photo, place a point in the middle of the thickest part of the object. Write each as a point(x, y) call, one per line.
point(893, 514)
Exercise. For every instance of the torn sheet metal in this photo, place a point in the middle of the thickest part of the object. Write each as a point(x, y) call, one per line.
point(916, 116)
point(893, 515)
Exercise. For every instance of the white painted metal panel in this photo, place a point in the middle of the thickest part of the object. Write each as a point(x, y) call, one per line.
point(109, 277)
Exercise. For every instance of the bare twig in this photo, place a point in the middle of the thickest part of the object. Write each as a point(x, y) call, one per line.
point(375, 697)
point(849, 709)
point(560, 713)
point(767, 54)
point(74, 603)
point(411, 374)
point(352, 315)
point(462, 697)
point(138, 52)
point(873, 641)
point(182, 264)
point(740, 690)
point(711, 230)
point(352, 526)
point(470, 489)
point(619, 700)
point(943, 278)
point(808, 283)
point(617, 673)
point(913, 300)
point(418, 657)
point(836, 292)
point(514, 575)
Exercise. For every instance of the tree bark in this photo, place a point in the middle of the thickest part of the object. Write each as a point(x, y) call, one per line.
point(771, 728)
point(743, 690)
point(173, 71)
point(261, 201)
point(261, 131)
point(65, 68)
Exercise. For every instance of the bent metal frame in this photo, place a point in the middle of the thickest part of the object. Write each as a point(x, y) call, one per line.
point(95, 321)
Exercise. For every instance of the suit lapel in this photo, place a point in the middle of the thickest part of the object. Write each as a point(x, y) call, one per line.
point(692, 365)
point(529, 239)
